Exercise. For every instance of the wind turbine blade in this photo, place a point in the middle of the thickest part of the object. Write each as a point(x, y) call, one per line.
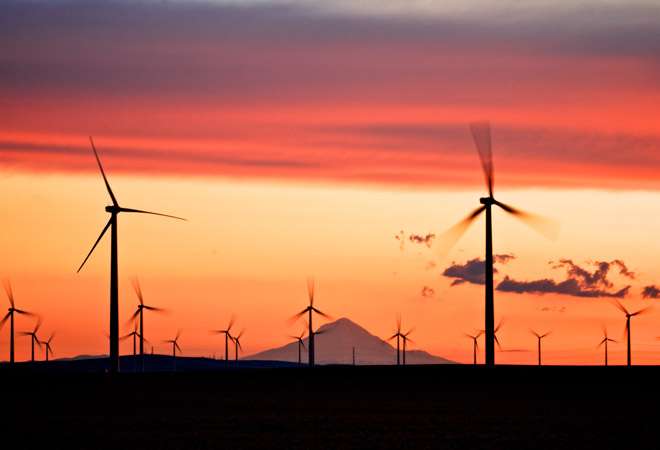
point(297, 315)
point(9, 291)
point(534, 333)
point(398, 323)
point(37, 341)
point(392, 337)
point(179, 348)
point(4, 319)
point(178, 335)
point(37, 326)
point(107, 225)
point(499, 325)
point(138, 290)
point(546, 334)
point(600, 344)
point(320, 313)
point(449, 238)
point(641, 311)
point(140, 211)
point(547, 227)
point(25, 313)
point(153, 308)
point(621, 307)
point(134, 317)
point(105, 179)
point(231, 323)
point(310, 290)
point(482, 140)
point(303, 345)
point(497, 341)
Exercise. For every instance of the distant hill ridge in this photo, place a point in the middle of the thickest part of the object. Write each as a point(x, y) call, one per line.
point(335, 344)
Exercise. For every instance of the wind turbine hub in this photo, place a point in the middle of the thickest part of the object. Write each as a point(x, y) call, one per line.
point(112, 209)
point(487, 200)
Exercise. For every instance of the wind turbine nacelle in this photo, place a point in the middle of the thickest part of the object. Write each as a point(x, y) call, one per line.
point(487, 200)
point(112, 209)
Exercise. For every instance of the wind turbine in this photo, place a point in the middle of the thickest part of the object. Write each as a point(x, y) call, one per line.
point(49, 349)
point(33, 337)
point(482, 139)
point(135, 335)
point(539, 337)
point(301, 344)
point(405, 338)
point(626, 331)
point(175, 346)
point(310, 310)
point(605, 341)
point(139, 315)
point(10, 315)
point(475, 345)
point(114, 211)
point(398, 337)
point(227, 333)
point(237, 344)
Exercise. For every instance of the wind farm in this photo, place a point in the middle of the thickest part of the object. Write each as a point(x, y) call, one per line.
point(275, 188)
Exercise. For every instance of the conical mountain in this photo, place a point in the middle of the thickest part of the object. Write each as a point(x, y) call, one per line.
point(335, 343)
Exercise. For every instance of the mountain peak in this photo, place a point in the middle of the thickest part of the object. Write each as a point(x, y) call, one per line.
point(335, 343)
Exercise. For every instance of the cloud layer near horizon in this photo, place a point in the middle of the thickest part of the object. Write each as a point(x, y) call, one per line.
point(300, 93)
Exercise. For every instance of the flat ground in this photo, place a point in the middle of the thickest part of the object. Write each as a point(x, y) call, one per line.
point(336, 407)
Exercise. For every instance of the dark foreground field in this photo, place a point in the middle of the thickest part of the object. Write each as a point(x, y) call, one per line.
point(336, 407)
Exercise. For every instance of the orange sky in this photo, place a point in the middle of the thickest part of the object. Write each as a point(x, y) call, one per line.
point(301, 147)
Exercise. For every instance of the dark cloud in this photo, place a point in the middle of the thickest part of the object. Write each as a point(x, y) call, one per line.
point(428, 291)
point(651, 292)
point(473, 270)
point(422, 239)
point(580, 282)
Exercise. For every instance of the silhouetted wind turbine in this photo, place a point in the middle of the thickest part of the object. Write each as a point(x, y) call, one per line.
point(175, 347)
point(539, 337)
point(227, 333)
point(33, 337)
point(301, 344)
point(398, 336)
point(475, 345)
point(49, 348)
point(139, 315)
point(482, 139)
point(605, 341)
point(114, 211)
point(133, 334)
point(10, 315)
point(237, 344)
point(405, 338)
point(626, 331)
point(310, 310)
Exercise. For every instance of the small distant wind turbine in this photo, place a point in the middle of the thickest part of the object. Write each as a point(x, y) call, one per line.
point(114, 211)
point(539, 337)
point(34, 339)
point(49, 348)
point(398, 337)
point(237, 344)
point(138, 315)
point(134, 334)
point(482, 140)
point(310, 310)
point(475, 345)
point(626, 331)
point(175, 347)
point(405, 338)
point(301, 344)
point(10, 315)
point(227, 333)
point(605, 341)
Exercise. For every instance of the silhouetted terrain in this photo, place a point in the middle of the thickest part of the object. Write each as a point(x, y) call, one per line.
point(444, 406)
point(335, 342)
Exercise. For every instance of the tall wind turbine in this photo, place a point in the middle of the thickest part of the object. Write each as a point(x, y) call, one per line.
point(398, 337)
point(10, 315)
point(227, 333)
point(482, 139)
point(475, 345)
point(49, 348)
point(626, 331)
point(539, 337)
point(33, 337)
point(605, 341)
point(405, 338)
point(309, 310)
point(175, 346)
point(237, 344)
point(114, 211)
point(301, 344)
point(139, 316)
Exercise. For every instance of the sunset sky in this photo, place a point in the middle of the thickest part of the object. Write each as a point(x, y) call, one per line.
point(300, 138)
